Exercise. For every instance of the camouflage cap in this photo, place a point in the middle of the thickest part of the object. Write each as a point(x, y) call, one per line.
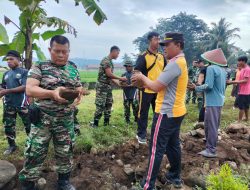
point(128, 63)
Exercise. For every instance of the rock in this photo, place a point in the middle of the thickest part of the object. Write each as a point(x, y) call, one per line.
point(7, 173)
point(199, 125)
point(200, 133)
point(113, 156)
point(128, 169)
point(233, 148)
point(41, 183)
point(195, 178)
point(167, 166)
point(193, 133)
point(93, 151)
point(233, 165)
point(117, 186)
point(244, 154)
point(189, 145)
point(139, 171)
point(238, 128)
point(119, 162)
point(123, 188)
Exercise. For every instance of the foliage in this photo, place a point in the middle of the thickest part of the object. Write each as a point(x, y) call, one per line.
point(33, 17)
point(193, 29)
point(220, 36)
point(198, 37)
point(126, 57)
point(225, 180)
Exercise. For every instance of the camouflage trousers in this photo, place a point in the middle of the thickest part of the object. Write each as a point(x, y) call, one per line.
point(200, 100)
point(61, 131)
point(76, 111)
point(135, 107)
point(9, 121)
point(103, 101)
point(188, 96)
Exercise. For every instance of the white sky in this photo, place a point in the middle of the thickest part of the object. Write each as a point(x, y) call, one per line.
point(129, 19)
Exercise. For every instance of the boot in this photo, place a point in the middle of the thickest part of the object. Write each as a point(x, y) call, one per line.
point(12, 146)
point(94, 123)
point(63, 182)
point(27, 130)
point(106, 121)
point(28, 185)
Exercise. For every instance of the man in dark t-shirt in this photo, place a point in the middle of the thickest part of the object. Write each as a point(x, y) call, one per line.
point(15, 100)
point(201, 81)
point(129, 94)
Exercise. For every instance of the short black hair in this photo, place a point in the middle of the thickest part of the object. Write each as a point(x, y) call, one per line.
point(113, 48)
point(179, 42)
point(59, 39)
point(152, 34)
point(243, 58)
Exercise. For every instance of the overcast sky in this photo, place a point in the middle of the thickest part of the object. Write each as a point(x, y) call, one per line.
point(128, 19)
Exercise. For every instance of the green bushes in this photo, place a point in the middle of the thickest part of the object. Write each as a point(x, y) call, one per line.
point(225, 180)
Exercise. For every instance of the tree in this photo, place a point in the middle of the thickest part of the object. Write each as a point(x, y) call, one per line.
point(126, 57)
point(193, 29)
point(220, 36)
point(33, 17)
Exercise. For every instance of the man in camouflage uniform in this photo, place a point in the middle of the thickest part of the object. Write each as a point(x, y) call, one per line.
point(129, 93)
point(15, 100)
point(104, 98)
point(192, 75)
point(51, 115)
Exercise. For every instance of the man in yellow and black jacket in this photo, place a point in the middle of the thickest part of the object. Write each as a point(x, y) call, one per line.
point(151, 63)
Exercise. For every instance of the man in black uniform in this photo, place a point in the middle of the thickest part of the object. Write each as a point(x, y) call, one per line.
point(15, 100)
point(151, 63)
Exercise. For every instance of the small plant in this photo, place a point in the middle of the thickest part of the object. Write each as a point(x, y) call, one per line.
point(225, 180)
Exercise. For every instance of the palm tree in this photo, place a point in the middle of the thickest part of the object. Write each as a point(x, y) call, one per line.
point(220, 36)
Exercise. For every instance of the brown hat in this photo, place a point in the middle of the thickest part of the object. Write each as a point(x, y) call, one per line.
point(215, 57)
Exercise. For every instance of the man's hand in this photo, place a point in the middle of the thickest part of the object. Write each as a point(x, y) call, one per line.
point(229, 82)
point(191, 86)
point(57, 97)
point(124, 79)
point(137, 79)
point(3, 92)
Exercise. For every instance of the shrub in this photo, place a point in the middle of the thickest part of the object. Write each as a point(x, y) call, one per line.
point(225, 180)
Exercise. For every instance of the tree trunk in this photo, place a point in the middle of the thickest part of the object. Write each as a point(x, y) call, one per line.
point(28, 48)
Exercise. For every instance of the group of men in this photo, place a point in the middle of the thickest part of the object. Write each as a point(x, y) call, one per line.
point(162, 80)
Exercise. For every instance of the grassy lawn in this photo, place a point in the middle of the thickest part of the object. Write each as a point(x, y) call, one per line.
point(104, 137)
point(86, 76)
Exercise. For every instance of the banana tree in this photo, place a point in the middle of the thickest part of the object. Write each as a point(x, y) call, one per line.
point(32, 18)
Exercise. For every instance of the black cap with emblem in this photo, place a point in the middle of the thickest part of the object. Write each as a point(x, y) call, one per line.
point(172, 36)
point(13, 53)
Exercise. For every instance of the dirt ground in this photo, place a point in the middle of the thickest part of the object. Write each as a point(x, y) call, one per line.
point(122, 166)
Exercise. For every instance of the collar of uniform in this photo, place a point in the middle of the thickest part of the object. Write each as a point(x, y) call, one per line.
point(179, 55)
point(150, 52)
point(59, 66)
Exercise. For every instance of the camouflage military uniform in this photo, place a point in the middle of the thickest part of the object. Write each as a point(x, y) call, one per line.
point(56, 121)
point(104, 97)
point(192, 75)
point(76, 123)
point(14, 103)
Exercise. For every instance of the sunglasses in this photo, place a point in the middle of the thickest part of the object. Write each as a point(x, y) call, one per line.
point(128, 66)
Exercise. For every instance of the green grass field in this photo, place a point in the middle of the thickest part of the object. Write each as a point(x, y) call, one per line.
point(119, 132)
point(86, 76)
